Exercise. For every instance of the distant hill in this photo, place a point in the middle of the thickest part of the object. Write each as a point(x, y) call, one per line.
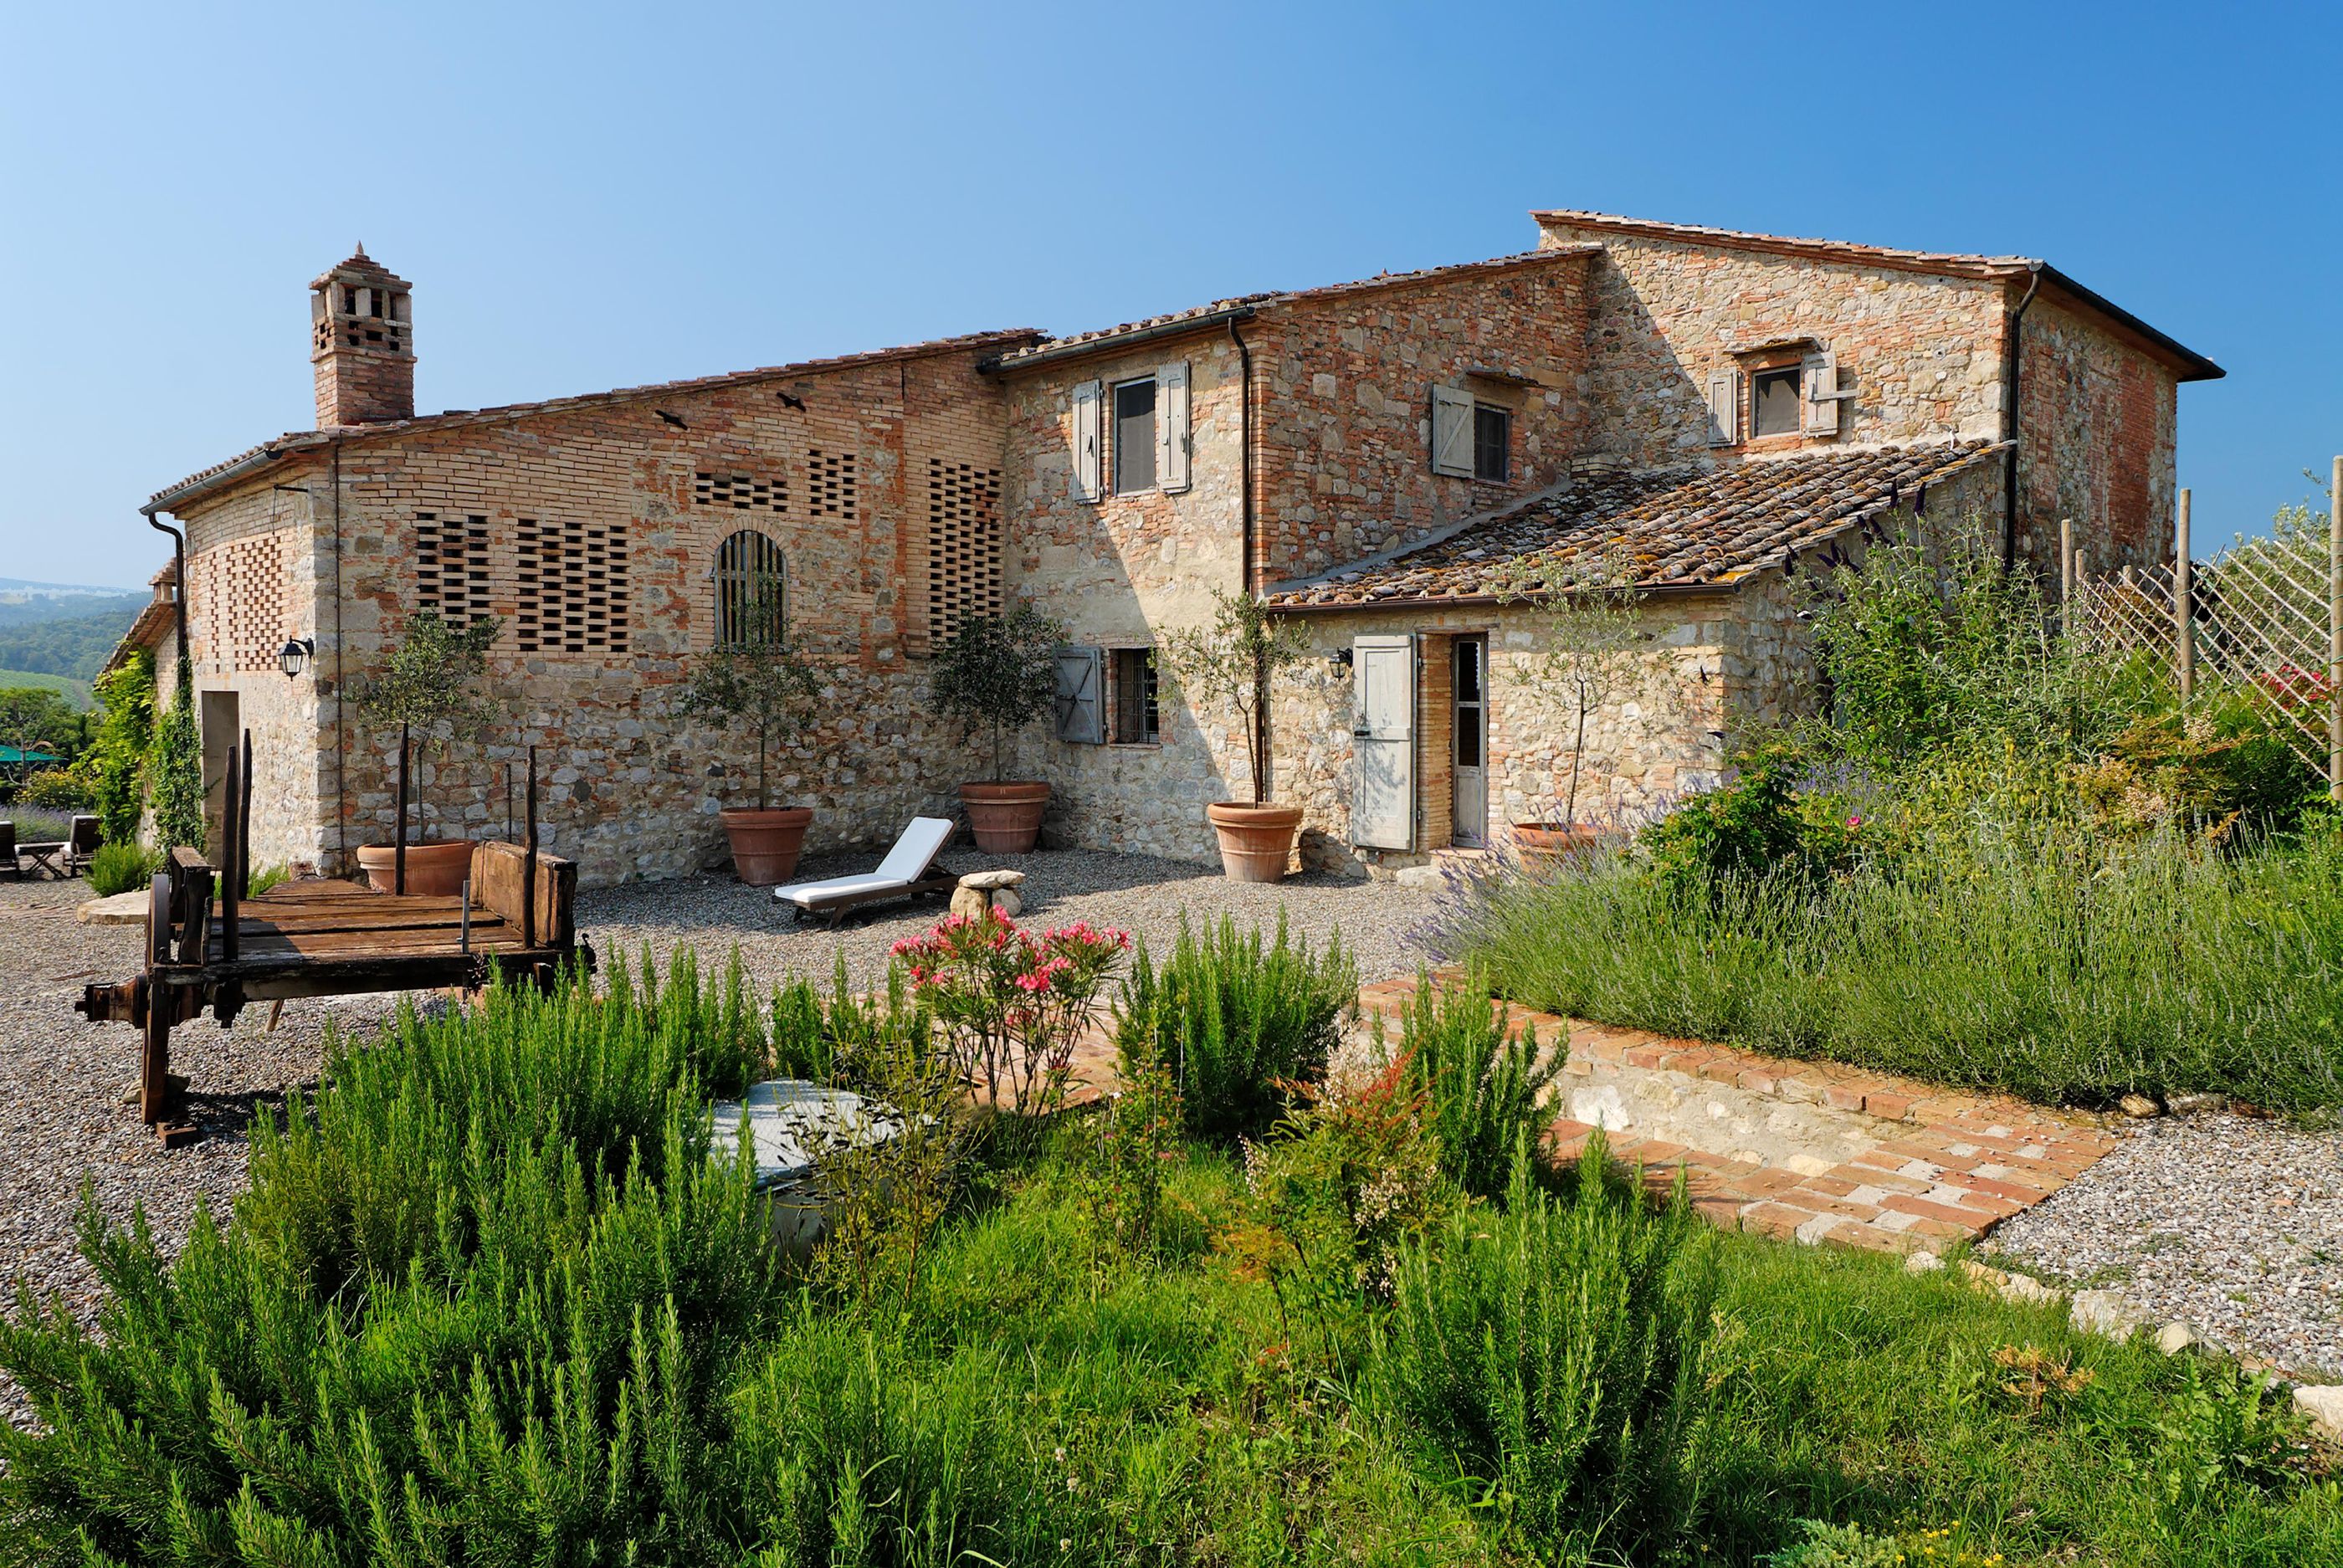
point(74, 645)
point(76, 691)
point(23, 585)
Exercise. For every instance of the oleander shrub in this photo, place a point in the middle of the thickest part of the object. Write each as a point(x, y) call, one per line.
point(1480, 1081)
point(119, 867)
point(1560, 1348)
point(1235, 1018)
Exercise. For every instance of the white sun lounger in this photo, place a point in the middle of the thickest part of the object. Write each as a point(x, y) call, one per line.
point(909, 871)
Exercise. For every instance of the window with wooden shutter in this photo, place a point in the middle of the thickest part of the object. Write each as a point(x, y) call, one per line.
point(1172, 426)
point(1724, 408)
point(1822, 395)
point(1081, 717)
point(1086, 441)
point(1452, 432)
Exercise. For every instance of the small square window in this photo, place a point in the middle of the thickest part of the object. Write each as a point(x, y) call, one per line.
point(1134, 436)
point(1774, 401)
point(1138, 697)
point(1492, 434)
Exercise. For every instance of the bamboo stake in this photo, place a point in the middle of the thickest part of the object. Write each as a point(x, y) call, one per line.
point(398, 834)
point(2184, 609)
point(2066, 575)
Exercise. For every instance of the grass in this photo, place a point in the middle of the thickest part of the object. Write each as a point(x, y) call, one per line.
point(2162, 971)
point(493, 1297)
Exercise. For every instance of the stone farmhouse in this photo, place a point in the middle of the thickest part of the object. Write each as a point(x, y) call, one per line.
point(1366, 457)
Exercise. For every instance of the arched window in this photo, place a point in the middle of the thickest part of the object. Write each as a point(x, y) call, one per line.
point(751, 590)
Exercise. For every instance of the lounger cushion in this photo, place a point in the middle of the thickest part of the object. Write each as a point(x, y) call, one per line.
point(905, 864)
point(831, 887)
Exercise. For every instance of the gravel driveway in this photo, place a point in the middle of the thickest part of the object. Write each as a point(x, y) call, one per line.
point(64, 1116)
point(2233, 1224)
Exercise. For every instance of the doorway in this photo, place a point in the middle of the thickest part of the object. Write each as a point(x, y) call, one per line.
point(215, 718)
point(1469, 807)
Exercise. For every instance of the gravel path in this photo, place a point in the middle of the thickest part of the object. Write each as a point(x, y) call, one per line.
point(2232, 1224)
point(63, 1115)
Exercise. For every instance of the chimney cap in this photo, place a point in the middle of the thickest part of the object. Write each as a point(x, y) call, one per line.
point(361, 268)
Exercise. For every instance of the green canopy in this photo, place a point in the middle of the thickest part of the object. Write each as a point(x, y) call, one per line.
point(11, 754)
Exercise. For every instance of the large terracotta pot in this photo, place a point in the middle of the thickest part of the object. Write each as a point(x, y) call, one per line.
point(1005, 818)
point(1256, 842)
point(1536, 840)
point(436, 868)
point(765, 844)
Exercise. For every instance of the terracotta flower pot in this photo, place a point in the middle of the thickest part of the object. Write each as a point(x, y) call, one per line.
point(1256, 842)
point(1540, 839)
point(436, 868)
point(1005, 818)
point(765, 844)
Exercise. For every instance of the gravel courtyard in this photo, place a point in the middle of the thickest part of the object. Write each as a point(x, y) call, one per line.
point(64, 1118)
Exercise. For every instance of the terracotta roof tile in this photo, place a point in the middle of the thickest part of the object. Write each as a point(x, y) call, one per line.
point(1685, 528)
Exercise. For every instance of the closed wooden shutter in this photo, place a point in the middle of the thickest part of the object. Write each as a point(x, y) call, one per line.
point(1452, 432)
point(1081, 717)
point(1382, 799)
point(1818, 375)
point(1172, 426)
point(1724, 408)
point(1086, 441)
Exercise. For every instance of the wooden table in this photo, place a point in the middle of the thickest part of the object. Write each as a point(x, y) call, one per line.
point(44, 855)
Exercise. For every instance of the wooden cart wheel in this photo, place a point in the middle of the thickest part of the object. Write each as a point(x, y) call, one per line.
point(158, 922)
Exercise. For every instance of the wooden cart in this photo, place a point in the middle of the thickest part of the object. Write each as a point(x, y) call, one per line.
point(209, 946)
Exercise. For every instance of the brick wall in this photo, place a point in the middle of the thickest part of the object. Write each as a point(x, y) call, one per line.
point(2098, 426)
point(1922, 353)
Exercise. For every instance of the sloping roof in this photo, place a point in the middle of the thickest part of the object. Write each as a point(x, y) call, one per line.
point(2189, 365)
point(1683, 528)
point(1240, 306)
point(156, 618)
point(295, 442)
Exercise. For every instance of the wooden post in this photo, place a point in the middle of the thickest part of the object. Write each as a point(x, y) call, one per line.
point(2184, 609)
point(231, 797)
point(244, 816)
point(2066, 575)
point(528, 865)
point(399, 834)
point(154, 1057)
point(2334, 633)
point(508, 803)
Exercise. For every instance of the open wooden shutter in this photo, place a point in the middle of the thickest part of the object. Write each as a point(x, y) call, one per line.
point(1382, 801)
point(1172, 426)
point(1081, 685)
point(1452, 432)
point(1724, 408)
point(1086, 441)
point(1818, 375)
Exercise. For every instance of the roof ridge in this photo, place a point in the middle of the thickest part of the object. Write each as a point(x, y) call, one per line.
point(1661, 227)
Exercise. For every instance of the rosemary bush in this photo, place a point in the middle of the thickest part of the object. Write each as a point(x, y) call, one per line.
point(1480, 1081)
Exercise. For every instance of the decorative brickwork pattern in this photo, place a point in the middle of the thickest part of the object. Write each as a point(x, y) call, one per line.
point(963, 545)
point(572, 588)
point(451, 567)
point(238, 589)
point(741, 492)
point(829, 484)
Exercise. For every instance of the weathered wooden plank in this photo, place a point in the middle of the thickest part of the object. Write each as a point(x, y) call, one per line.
point(349, 944)
point(499, 872)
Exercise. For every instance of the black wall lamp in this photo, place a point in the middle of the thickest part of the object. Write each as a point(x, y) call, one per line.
point(294, 656)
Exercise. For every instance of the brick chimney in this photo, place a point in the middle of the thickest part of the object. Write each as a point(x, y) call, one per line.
point(362, 342)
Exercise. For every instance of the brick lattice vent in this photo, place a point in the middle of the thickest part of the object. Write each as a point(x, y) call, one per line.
point(829, 484)
point(963, 544)
point(239, 602)
point(1903, 1166)
point(741, 492)
point(572, 588)
point(451, 567)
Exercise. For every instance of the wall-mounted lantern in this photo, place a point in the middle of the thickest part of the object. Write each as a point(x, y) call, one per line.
point(293, 656)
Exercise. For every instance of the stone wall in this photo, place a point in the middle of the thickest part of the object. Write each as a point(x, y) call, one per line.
point(1344, 417)
point(1922, 353)
point(2099, 425)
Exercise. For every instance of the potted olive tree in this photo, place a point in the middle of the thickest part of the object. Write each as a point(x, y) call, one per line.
point(428, 689)
point(1595, 646)
point(997, 675)
point(762, 682)
point(1233, 664)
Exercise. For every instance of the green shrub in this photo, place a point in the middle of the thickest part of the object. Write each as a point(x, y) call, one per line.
point(53, 790)
point(2037, 958)
point(267, 877)
point(1480, 1081)
point(844, 1036)
point(173, 771)
point(1234, 1019)
point(1755, 828)
point(1560, 1349)
point(119, 867)
point(115, 766)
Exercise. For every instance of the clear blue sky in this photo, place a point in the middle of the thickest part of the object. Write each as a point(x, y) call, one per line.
point(589, 197)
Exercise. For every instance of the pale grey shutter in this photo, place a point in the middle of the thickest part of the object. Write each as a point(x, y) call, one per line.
point(1086, 441)
point(1818, 375)
point(1081, 716)
point(1724, 408)
point(1172, 426)
point(1452, 432)
point(1382, 802)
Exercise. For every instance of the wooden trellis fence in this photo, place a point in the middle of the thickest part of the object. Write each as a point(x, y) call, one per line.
point(2264, 618)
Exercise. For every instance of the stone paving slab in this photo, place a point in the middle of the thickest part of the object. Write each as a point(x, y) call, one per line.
point(1948, 1166)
